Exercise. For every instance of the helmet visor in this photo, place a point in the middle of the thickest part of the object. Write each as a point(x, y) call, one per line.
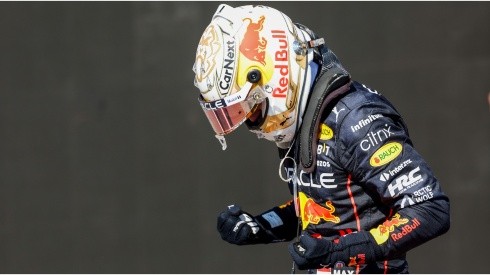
point(226, 114)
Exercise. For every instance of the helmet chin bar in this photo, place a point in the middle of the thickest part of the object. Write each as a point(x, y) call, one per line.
point(257, 123)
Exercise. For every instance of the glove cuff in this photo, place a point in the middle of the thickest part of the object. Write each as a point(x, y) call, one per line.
point(280, 223)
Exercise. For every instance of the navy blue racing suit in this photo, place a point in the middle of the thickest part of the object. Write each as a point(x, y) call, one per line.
point(368, 177)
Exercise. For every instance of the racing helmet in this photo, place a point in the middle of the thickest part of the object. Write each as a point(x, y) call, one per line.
point(252, 65)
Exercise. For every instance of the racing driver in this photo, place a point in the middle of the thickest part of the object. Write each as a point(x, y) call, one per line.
point(362, 196)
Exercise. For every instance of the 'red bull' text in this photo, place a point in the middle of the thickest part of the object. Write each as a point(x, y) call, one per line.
point(406, 229)
point(281, 63)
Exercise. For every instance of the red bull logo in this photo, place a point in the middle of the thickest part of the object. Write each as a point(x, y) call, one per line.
point(312, 212)
point(382, 232)
point(253, 45)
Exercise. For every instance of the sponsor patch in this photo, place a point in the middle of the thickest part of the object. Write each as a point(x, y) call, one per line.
point(273, 219)
point(372, 139)
point(326, 132)
point(386, 176)
point(364, 122)
point(382, 232)
point(386, 154)
point(405, 182)
point(314, 213)
point(406, 230)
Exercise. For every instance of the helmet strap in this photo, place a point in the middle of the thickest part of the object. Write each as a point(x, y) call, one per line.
point(222, 141)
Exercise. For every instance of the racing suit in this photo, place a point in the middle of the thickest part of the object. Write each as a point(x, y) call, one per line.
point(368, 177)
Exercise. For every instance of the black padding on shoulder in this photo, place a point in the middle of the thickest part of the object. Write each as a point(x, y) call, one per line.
point(332, 81)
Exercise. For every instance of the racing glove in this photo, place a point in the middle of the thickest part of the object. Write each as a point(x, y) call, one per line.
point(241, 228)
point(352, 249)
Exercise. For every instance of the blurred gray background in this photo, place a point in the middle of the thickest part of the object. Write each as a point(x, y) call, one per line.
point(108, 165)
